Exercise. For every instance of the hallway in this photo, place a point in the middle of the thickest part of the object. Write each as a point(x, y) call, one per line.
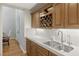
point(13, 49)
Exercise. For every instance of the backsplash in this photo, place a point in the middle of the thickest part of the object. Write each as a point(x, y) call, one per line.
point(74, 35)
point(48, 33)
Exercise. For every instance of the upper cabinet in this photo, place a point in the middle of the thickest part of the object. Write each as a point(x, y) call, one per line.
point(43, 17)
point(58, 15)
point(35, 20)
point(46, 16)
point(72, 15)
point(78, 14)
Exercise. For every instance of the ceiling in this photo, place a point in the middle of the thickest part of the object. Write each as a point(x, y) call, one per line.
point(22, 5)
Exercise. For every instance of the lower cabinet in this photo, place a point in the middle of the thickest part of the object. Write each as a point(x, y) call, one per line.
point(34, 49)
point(42, 51)
point(28, 47)
point(52, 54)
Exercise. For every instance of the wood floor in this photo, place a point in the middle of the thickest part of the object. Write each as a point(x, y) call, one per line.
point(13, 49)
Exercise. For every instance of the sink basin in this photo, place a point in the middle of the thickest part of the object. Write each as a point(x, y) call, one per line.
point(57, 46)
point(68, 48)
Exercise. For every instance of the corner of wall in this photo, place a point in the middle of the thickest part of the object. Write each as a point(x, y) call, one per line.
point(22, 49)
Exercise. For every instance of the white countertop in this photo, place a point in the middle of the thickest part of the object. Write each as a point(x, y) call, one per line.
point(40, 41)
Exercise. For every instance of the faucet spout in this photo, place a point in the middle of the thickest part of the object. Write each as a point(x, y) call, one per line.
point(61, 38)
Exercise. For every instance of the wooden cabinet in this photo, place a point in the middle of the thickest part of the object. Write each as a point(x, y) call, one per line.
point(42, 51)
point(78, 13)
point(42, 18)
point(35, 19)
point(34, 49)
point(52, 54)
point(64, 15)
point(58, 15)
point(71, 15)
point(28, 47)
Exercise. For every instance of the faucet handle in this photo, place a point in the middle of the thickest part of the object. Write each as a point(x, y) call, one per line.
point(69, 40)
point(64, 40)
point(69, 43)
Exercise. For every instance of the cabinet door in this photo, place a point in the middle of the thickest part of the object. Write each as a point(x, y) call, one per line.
point(78, 15)
point(42, 51)
point(52, 54)
point(28, 47)
point(35, 20)
point(71, 19)
point(33, 49)
point(59, 15)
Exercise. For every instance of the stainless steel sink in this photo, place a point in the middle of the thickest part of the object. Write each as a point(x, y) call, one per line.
point(57, 46)
point(68, 48)
point(54, 44)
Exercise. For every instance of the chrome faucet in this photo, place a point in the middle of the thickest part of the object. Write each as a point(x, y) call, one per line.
point(62, 47)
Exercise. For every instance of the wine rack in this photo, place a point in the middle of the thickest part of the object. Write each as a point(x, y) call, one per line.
point(46, 21)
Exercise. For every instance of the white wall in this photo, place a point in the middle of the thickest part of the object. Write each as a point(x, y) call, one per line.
point(20, 18)
point(8, 17)
point(28, 19)
point(0, 32)
point(74, 35)
point(27, 22)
